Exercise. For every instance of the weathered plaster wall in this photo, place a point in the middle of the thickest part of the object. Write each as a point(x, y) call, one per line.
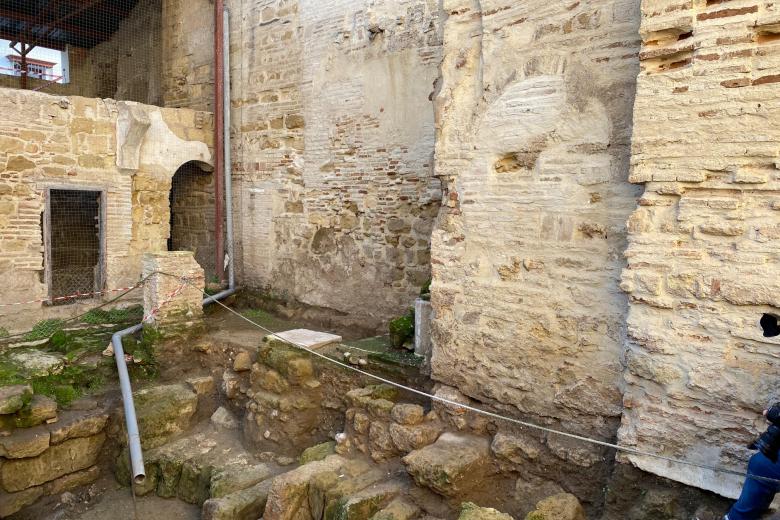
point(188, 48)
point(704, 248)
point(50, 141)
point(127, 67)
point(534, 125)
point(333, 151)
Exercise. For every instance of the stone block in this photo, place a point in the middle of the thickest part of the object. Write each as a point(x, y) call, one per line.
point(11, 503)
point(563, 506)
point(164, 411)
point(25, 442)
point(223, 418)
point(68, 457)
point(397, 509)
point(41, 409)
point(13, 398)
point(410, 438)
point(471, 511)
point(247, 504)
point(237, 477)
point(450, 465)
point(318, 452)
point(408, 414)
point(288, 496)
point(75, 424)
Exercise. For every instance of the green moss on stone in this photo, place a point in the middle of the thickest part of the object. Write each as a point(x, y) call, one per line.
point(318, 452)
point(44, 329)
point(402, 329)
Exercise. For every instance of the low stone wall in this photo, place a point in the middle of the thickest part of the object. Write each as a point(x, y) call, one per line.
point(44, 451)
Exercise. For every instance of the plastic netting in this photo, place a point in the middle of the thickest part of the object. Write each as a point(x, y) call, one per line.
point(91, 48)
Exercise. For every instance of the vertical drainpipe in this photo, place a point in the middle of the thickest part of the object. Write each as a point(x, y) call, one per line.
point(228, 171)
point(219, 137)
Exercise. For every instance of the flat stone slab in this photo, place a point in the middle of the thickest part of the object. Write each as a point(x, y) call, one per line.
point(308, 338)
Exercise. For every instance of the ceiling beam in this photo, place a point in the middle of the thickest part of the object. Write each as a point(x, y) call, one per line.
point(33, 23)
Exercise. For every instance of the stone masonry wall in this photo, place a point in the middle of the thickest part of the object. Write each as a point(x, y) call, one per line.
point(333, 151)
point(704, 243)
point(534, 120)
point(59, 142)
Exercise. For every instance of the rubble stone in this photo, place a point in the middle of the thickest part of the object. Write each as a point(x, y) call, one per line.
point(14, 397)
point(74, 424)
point(471, 511)
point(164, 411)
point(451, 464)
point(558, 507)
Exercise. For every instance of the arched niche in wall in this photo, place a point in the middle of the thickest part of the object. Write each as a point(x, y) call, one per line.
point(192, 218)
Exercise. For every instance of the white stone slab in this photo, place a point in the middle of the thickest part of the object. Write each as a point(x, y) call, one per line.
point(309, 338)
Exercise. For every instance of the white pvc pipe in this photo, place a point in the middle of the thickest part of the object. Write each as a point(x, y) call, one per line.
point(133, 435)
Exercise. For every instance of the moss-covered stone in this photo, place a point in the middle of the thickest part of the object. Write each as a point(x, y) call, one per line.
point(13, 398)
point(164, 411)
point(318, 452)
point(237, 477)
point(401, 329)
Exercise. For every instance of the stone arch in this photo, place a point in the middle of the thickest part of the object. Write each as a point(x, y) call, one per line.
point(543, 202)
point(192, 219)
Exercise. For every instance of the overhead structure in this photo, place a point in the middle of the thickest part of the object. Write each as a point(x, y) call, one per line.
point(56, 24)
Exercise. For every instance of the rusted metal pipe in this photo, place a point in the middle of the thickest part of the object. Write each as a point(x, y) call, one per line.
point(219, 139)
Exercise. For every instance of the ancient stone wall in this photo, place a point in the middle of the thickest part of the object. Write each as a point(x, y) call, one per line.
point(333, 151)
point(534, 119)
point(703, 244)
point(188, 48)
point(127, 151)
point(126, 67)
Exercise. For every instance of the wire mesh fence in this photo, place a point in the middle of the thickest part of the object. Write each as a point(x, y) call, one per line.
point(103, 48)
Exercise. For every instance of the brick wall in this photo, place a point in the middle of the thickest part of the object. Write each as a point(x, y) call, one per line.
point(534, 130)
point(703, 245)
point(54, 142)
point(333, 151)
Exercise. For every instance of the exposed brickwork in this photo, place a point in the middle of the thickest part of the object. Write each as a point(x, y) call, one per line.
point(48, 141)
point(535, 112)
point(333, 152)
point(703, 249)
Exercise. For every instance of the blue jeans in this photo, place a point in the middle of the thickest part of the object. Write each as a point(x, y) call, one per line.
point(756, 494)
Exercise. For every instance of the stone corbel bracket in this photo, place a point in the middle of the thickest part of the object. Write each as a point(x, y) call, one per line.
point(131, 126)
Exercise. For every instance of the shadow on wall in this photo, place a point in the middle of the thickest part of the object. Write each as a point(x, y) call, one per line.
point(192, 214)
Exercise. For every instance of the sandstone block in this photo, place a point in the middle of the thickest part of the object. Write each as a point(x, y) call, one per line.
point(471, 511)
point(25, 442)
point(516, 449)
point(10, 503)
point(247, 504)
point(164, 411)
point(75, 424)
point(242, 362)
point(237, 477)
point(40, 409)
point(288, 496)
point(268, 379)
point(558, 507)
point(202, 385)
point(72, 481)
point(13, 398)
point(410, 438)
point(408, 414)
point(397, 509)
point(62, 459)
point(451, 464)
point(318, 452)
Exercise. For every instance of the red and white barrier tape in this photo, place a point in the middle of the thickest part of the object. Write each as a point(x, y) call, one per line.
point(167, 300)
point(70, 296)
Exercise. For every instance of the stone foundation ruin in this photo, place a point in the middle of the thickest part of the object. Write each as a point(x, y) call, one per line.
point(561, 213)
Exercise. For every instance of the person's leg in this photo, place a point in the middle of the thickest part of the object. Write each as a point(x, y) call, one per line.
point(756, 494)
